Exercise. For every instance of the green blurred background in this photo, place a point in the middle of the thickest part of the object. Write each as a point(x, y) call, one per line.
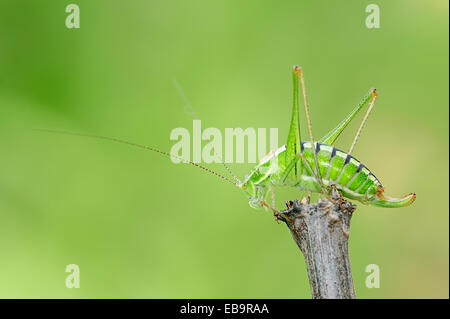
point(141, 227)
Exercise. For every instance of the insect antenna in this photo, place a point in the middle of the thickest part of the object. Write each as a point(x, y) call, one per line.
point(191, 112)
point(153, 149)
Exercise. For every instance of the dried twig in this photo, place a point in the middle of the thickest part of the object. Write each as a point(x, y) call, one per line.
point(321, 232)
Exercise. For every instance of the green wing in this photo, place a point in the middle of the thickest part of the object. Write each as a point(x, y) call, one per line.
point(331, 136)
point(293, 145)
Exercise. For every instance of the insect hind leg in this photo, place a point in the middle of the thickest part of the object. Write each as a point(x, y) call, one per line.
point(299, 71)
point(364, 120)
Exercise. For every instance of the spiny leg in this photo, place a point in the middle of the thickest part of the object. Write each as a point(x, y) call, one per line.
point(299, 73)
point(372, 102)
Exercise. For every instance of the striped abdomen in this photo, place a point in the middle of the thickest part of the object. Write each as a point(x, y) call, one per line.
point(349, 175)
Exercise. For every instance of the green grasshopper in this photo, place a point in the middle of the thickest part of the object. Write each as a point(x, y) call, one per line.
point(316, 167)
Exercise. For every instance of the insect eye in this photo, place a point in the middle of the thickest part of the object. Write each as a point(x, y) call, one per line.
point(244, 186)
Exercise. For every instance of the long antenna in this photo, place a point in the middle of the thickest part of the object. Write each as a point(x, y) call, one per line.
point(137, 145)
point(188, 106)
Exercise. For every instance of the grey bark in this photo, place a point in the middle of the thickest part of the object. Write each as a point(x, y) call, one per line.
point(321, 231)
